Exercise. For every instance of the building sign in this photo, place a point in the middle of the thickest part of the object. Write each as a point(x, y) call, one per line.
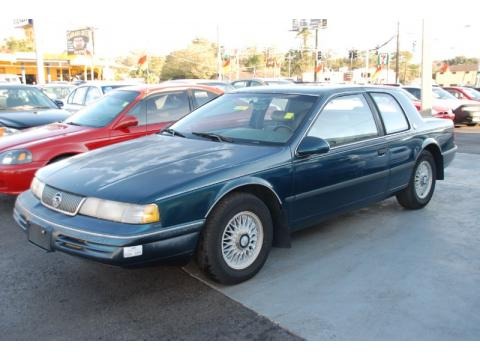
point(21, 23)
point(80, 42)
point(300, 24)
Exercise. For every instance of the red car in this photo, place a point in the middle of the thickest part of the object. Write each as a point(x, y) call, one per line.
point(438, 111)
point(121, 115)
point(463, 93)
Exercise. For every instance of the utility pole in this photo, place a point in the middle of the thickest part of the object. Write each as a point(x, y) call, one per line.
point(426, 70)
point(367, 56)
point(397, 63)
point(219, 55)
point(38, 55)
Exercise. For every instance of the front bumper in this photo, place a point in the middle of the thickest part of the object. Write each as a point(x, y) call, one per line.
point(103, 241)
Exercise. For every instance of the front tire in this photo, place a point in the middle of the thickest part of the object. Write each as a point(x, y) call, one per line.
point(236, 239)
point(422, 183)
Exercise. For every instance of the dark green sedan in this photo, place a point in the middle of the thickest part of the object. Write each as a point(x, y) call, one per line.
point(237, 176)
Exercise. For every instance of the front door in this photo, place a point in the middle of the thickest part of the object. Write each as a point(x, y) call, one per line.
point(354, 171)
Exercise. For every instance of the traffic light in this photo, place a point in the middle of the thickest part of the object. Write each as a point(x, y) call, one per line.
point(319, 55)
point(354, 54)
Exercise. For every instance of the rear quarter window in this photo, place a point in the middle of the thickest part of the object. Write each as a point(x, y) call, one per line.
point(392, 114)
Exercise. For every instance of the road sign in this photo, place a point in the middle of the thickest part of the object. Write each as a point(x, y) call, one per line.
point(383, 59)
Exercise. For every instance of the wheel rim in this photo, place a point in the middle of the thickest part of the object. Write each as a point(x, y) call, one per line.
point(242, 240)
point(423, 179)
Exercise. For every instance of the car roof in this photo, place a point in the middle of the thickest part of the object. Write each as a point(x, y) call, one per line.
point(310, 90)
point(16, 86)
point(149, 88)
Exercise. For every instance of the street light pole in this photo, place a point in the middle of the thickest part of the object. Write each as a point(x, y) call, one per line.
point(397, 63)
point(38, 55)
point(426, 70)
point(316, 55)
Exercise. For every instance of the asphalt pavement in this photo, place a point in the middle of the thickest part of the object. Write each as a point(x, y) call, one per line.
point(344, 279)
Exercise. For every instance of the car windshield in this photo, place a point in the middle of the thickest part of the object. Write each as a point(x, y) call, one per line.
point(247, 118)
point(107, 88)
point(279, 82)
point(439, 93)
point(57, 92)
point(474, 94)
point(104, 110)
point(24, 98)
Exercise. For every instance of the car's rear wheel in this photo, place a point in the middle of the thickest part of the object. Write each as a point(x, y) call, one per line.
point(422, 183)
point(236, 239)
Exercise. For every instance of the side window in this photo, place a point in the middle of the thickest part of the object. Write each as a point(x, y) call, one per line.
point(79, 96)
point(255, 83)
point(92, 95)
point(139, 112)
point(201, 97)
point(344, 120)
point(392, 115)
point(167, 107)
point(239, 84)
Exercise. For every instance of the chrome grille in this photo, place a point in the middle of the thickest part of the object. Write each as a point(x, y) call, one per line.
point(61, 201)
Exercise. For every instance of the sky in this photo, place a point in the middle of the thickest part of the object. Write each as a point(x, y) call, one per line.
point(159, 27)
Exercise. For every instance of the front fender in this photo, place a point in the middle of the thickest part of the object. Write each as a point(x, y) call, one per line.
point(240, 182)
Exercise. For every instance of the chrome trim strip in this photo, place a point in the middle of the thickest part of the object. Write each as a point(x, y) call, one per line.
point(448, 152)
point(192, 224)
point(343, 184)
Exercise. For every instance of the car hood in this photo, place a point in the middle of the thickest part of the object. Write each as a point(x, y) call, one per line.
point(26, 119)
point(157, 166)
point(28, 137)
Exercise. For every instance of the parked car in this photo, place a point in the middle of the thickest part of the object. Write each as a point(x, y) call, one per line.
point(439, 111)
point(466, 111)
point(10, 79)
point(24, 106)
point(463, 92)
point(222, 85)
point(57, 91)
point(260, 82)
point(234, 177)
point(85, 94)
point(121, 115)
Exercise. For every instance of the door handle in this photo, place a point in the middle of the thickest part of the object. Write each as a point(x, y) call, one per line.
point(382, 151)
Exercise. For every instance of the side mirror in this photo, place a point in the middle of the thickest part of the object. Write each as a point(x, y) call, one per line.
point(59, 103)
point(126, 122)
point(311, 145)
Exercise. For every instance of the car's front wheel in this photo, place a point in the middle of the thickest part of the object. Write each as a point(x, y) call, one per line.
point(422, 183)
point(236, 239)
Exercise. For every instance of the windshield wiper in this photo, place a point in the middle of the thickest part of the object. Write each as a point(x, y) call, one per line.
point(172, 132)
point(213, 136)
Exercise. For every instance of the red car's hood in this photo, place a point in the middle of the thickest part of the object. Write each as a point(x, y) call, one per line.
point(36, 134)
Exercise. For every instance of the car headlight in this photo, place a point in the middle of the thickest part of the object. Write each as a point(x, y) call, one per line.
point(120, 212)
point(7, 131)
point(37, 187)
point(15, 157)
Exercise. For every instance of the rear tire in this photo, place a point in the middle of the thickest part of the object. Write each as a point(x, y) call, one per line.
point(236, 239)
point(422, 183)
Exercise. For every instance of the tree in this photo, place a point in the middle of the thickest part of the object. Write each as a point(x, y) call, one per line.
point(197, 61)
point(407, 71)
point(459, 60)
point(12, 44)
